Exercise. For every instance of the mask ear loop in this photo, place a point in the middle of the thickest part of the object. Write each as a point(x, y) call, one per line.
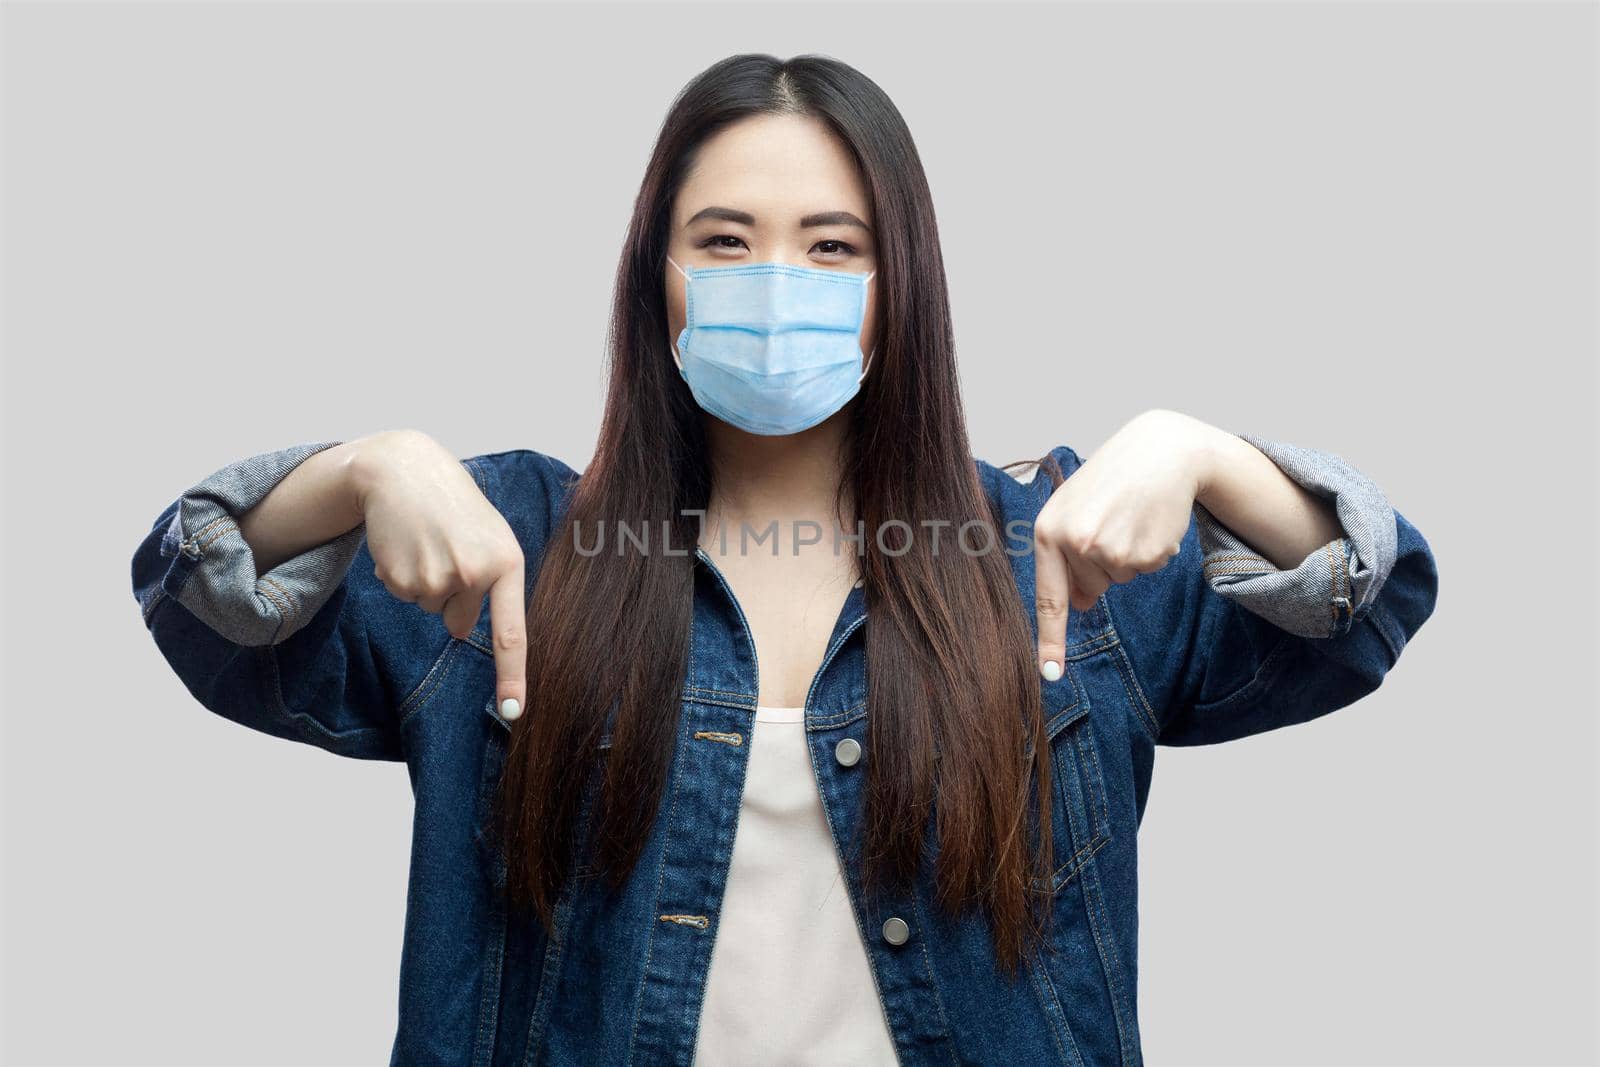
point(677, 359)
point(868, 364)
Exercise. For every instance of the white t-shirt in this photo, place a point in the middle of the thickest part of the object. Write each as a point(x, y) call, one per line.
point(789, 981)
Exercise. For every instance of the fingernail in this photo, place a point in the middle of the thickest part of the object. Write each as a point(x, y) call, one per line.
point(1052, 671)
point(509, 708)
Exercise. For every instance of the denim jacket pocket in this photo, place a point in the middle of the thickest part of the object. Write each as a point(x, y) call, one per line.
point(1079, 822)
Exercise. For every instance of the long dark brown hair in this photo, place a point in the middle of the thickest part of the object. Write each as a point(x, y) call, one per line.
point(953, 702)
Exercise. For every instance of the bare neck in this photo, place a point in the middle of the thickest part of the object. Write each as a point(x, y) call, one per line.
point(757, 479)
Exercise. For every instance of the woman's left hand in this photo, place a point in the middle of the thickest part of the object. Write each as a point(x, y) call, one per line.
point(1122, 513)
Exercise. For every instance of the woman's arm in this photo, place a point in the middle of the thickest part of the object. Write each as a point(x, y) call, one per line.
point(311, 647)
point(1296, 534)
point(314, 503)
point(1236, 636)
point(1250, 495)
point(302, 641)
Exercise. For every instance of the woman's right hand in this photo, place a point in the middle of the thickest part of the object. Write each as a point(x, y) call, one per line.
point(437, 541)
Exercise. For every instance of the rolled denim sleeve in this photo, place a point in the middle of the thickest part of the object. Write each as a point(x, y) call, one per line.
point(315, 650)
point(1221, 644)
point(1336, 584)
point(213, 571)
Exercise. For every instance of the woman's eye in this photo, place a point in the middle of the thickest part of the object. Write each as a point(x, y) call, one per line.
point(731, 243)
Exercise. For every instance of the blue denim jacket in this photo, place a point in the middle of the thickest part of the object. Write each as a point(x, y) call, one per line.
point(1216, 645)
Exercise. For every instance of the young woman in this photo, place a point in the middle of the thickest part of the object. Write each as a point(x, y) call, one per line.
point(788, 731)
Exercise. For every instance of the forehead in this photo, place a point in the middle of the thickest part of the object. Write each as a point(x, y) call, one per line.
point(778, 168)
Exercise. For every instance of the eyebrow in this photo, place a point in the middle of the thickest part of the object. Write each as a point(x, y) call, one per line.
point(744, 218)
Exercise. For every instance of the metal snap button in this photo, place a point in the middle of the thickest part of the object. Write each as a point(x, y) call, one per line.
point(895, 930)
point(848, 752)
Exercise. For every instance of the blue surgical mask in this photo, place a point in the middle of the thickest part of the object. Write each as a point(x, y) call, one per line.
point(772, 348)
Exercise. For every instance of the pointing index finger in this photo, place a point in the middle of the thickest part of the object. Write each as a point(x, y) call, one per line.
point(508, 621)
point(1052, 595)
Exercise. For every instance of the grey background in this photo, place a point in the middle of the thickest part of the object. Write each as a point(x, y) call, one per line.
point(1368, 228)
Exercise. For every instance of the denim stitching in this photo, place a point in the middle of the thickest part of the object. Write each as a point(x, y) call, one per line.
point(208, 527)
point(1094, 907)
point(1063, 874)
point(1091, 895)
point(933, 978)
point(720, 692)
point(1149, 716)
point(843, 718)
point(1099, 782)
point(1047, 993)
point(489, 1005)
point(430, 684)
point(294, 605)
point(268, 593)
point(219, 534)
point(661, 875)
point(1080, 861)
point(1346, 583)
point(555, 946)
point(1333, 583)
point(155, 600)
point(495, 947)
point(1136, 699)
point(1093, 902)
point(1093, 645)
